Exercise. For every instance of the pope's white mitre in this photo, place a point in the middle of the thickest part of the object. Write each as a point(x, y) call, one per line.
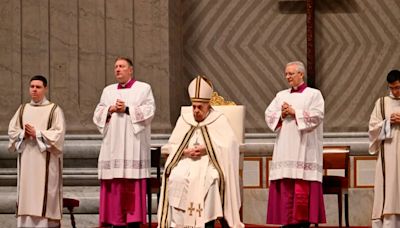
point(200, 89)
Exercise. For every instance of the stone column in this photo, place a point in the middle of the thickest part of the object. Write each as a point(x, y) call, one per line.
point(158, 55)
point(10, 61)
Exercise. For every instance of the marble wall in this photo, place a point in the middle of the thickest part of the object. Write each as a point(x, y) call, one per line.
point(74, 44)
point(242, 46)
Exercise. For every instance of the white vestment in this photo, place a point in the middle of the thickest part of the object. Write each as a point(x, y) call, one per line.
point(298, 146)
point(125, 150)
point(39, 163)
point(387, 203)
point(195, 192)
point(388, 221)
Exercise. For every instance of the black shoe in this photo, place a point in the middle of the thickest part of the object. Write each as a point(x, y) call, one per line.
point(134, 225)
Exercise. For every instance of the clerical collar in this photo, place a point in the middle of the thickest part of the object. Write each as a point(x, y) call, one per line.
point(44, 101)
point(393, 97)
point(299, 88)
point(127, 85)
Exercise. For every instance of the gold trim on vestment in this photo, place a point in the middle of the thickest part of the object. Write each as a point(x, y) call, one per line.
point(210, 152)
point(205, 100)
point(197, 91)
point(382, 154)
point(214, 160)
point(46, 183)
point(174, 161)
point(21, 112)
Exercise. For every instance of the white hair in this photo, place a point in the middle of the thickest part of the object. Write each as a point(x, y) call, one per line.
point(300, 66)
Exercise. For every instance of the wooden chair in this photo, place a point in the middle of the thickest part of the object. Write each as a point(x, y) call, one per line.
point(154, 183)
point(337, 158)
point(70, 204)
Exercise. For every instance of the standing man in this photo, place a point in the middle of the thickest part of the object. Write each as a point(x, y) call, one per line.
point(200, 182)
point(384, 136)
point(36, 133)
point(296, 115)
point(123, 117)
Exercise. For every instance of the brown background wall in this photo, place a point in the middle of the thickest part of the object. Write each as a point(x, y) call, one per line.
point(241, 45)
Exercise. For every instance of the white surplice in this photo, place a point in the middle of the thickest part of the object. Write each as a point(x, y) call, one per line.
point(125, 150)
point(32, 168)
point(298, 146)
point(381, 129)
point(191, 194)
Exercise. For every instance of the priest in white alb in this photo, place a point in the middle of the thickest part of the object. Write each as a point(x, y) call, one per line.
point(36, 133)
point(384, 136)
point(296, 115)
point(201, 176)
point(123, 117)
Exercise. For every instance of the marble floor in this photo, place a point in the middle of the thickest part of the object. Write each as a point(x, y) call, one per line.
point(255, 201)
point(82, 221)
point(91, 221)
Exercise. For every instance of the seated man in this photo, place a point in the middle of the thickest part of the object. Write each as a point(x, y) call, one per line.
point(200, 182)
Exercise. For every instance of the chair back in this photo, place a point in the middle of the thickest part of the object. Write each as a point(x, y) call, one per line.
point(235, 115)
point(336, 158)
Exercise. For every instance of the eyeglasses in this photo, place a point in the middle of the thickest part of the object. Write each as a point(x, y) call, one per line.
point(291, 74)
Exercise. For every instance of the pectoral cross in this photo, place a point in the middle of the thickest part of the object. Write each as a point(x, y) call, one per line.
point(197, 138)
point(191, 209)
point(196, 143)
point(199, 210)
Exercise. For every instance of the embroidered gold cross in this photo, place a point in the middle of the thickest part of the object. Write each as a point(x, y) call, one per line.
point(199, 210)
point(191, 209)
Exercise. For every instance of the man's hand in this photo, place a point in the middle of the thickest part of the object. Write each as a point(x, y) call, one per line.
point(195, 152)
point(120, 106)
point(112, 109)
point(287, 110)
point(30, 130)
point(395, 118)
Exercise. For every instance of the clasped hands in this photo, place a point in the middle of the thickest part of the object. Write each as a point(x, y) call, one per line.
point(287, 110)
point(395, 118)
point(195, 152)
point(119, 107)
point(30, 131)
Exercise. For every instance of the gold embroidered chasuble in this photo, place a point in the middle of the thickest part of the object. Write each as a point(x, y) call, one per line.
point(197, 191)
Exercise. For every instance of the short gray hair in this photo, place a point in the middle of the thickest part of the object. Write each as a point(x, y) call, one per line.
point(300, 66)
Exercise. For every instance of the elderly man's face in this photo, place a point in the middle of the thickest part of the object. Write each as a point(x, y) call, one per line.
point(293, 76)
point(37, 91)
point(122, 71)
point(200, 110)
